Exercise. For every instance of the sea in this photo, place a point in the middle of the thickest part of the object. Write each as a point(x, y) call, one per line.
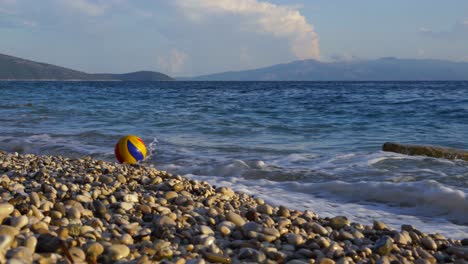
point(313, 146)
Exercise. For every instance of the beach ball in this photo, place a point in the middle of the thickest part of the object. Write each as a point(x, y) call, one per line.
point(130, 149)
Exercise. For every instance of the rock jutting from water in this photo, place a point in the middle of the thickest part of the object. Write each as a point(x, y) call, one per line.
point(55, 209)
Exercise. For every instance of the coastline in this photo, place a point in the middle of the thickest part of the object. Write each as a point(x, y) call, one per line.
point(58, 209)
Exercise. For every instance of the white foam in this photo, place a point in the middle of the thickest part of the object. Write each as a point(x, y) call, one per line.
point(428, 205)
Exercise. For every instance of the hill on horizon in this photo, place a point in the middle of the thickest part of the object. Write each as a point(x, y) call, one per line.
point(14, 68)
point(384, 69)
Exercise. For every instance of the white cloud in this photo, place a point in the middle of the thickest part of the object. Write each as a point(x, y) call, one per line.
point(279, 21)
point(173, 63)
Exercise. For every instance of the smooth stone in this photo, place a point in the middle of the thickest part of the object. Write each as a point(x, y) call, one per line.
point(74, 213)
point(8, 230)
point(84, 199)
point(251, 254)
point(378, 225)
point(338, 222)
point(20, 221)
point(271, 231)
point(95, 250)
point(5, 242)
point(47, 243)
point(265, 209)
point(345, 235)
point(295, 239)
point(195, 261)
point(283, 211)
point(429, 243)
point(22, 253)
point(297, 261)
point(31, 243)
point(402, 238)
point(217, 258)
point(464, 242)
point(226, 191)
point(126, 239)
point(384, 245)
point(126, 206)
point(35, 200)
point(323, 242)
point(178, 187)
point(317, 228)
point(165, 221)
point(207, 240)
point(171, 195)
point(6, 209)
point(426, 255)
point(77, 254)
point(225, 227)
point(206, 230)
point(131, 198)
point(326, 261)
point(459, 251)
point(235, 218)
point(118, 252)
point(251, 226)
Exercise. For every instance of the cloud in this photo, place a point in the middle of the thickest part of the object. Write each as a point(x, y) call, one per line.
point(174, 62)
point(458, 31)
point(262, 17)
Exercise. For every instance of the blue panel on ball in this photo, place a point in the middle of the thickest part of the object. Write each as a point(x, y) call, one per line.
point(134, 151)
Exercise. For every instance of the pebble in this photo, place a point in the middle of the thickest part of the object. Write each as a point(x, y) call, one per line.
point(235, 218)
point(339, 222)
point(107, 212)
point(6, 209)
point(20, 221)
point(429, 243)
point(295, 239)
point(77, 254)
point(117, 252)
point(384, 245)
point(402, 238)
point(126, 239)
point(225, 227)
point(217, 258)
point(265, 209)
point(94, 250)
point(126, 206)
point(326, 261)
point(165, 221)
point(252, 255)
point(464, 242)
point(5, 242)
point(317, 228)
point(206, 230)
point(31, 243)
point(171, 195)
point(8, 230)
point(378, 225)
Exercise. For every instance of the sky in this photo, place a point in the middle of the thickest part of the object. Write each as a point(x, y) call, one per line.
point(194, 37)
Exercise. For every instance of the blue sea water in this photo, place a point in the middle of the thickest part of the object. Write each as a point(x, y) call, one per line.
point(308, 145)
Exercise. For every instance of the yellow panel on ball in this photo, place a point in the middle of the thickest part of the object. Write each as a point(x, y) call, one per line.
point(130, 149)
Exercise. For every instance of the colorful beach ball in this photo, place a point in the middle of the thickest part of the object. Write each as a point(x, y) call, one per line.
point(130, 149)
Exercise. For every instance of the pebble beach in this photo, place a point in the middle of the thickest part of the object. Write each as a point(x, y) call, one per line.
point(59, 210)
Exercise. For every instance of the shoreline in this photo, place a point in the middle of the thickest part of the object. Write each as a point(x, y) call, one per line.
point(58, 209)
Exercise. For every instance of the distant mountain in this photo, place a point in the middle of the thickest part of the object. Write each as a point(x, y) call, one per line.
point(13, 68)
point(384, 69)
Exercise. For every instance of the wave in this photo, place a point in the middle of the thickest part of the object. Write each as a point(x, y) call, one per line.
point(429, 205)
